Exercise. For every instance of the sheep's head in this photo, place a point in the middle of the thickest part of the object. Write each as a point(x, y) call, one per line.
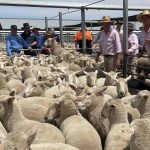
point(109, 107)
point(122, 87)
point(48, 42)
point(140, 100)
point(110, 78)
point(91, 78)
point(19, 140)
point(84, 103)
point(34, 89)
point(62, 109)
point(53, 113)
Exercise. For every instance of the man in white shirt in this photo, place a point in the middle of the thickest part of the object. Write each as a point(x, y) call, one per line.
point(132, 50)
point(109, 46)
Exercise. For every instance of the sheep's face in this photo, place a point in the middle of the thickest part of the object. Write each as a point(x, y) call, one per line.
point(52, 113)
point(33, 90)
point(91, 78)
point(111, 78)
point(48, 42)
point(85, 103)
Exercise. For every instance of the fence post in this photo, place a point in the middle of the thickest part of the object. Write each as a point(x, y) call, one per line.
point(83, 30)
point(61, 29)
point(46, 23)
point(125, 36)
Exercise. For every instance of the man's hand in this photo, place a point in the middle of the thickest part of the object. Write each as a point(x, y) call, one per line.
point(30, 48)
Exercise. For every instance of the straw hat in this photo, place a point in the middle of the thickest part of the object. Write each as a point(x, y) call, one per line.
point(105, 19)
point(144, 13)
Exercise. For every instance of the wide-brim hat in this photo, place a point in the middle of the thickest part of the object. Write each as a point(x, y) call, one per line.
point(26, 26)
point(105, 19)
point(144, 13)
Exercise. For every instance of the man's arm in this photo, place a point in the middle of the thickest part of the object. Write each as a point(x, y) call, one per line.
point(8, 47)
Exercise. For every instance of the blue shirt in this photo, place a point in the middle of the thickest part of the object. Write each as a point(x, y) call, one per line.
point(39, 38)
point(14, 43)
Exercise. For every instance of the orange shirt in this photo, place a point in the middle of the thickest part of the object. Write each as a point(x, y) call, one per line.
point(88, 34)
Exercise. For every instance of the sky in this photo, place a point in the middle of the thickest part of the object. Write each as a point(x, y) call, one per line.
point(41, 13)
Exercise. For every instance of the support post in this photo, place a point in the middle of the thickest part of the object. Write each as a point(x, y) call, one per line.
point(46, 23)
point(125, 36)
point(61, 29)
point(83, 30)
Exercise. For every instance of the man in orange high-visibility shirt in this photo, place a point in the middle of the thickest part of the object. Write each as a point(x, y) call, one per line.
point(78, 41)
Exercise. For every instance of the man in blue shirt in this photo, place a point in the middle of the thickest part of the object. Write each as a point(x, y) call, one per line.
point(30, 39)
point(14, 42)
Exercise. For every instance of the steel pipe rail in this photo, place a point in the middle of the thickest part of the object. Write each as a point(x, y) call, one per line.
point(68, 5)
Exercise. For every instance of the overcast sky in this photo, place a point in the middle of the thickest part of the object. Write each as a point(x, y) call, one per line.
point(30, 12)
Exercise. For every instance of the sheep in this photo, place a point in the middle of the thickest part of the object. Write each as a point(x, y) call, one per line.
point(18, 140)
point(52, 146)
point(16, 85)
point(57, 50)
point(120, 90)
point(3, 85)
point(94, 104)
point(145, 63)
point(14, 120)
point(141, 134)
point(27, 74)
point(147, 81)
point(141, 102)
point(76, 130)
point(119, 134)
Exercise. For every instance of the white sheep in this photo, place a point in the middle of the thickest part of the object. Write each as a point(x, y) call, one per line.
point(94, 104)
point(142, 103)
point(76, 130)
point(141, 134)
point(56, 49)
point(14, 120)
point(119, 134)
point(18, 140)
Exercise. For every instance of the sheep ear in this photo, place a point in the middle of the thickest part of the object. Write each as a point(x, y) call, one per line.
point(128, 78)
point(106, 73)
point(6, 99)
point(96, 71)
point(86, 73)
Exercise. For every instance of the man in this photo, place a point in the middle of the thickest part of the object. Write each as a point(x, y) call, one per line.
point(30, 39)
point(14, 42)
point(119, 24)
point(132, 49)
point(144, 35)
point(89, 38)
point(53, 35)
point(45, 50)
point(35, 31)
point(109, 45)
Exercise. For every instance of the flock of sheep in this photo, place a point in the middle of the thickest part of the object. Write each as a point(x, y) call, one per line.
point(66, 102)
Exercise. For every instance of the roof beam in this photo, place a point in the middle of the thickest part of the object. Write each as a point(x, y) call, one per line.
point(68, 5)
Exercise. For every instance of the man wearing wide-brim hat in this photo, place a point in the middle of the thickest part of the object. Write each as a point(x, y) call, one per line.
point(109, 45)
point(144, 35)
point(132, 49)
point(30, 39)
